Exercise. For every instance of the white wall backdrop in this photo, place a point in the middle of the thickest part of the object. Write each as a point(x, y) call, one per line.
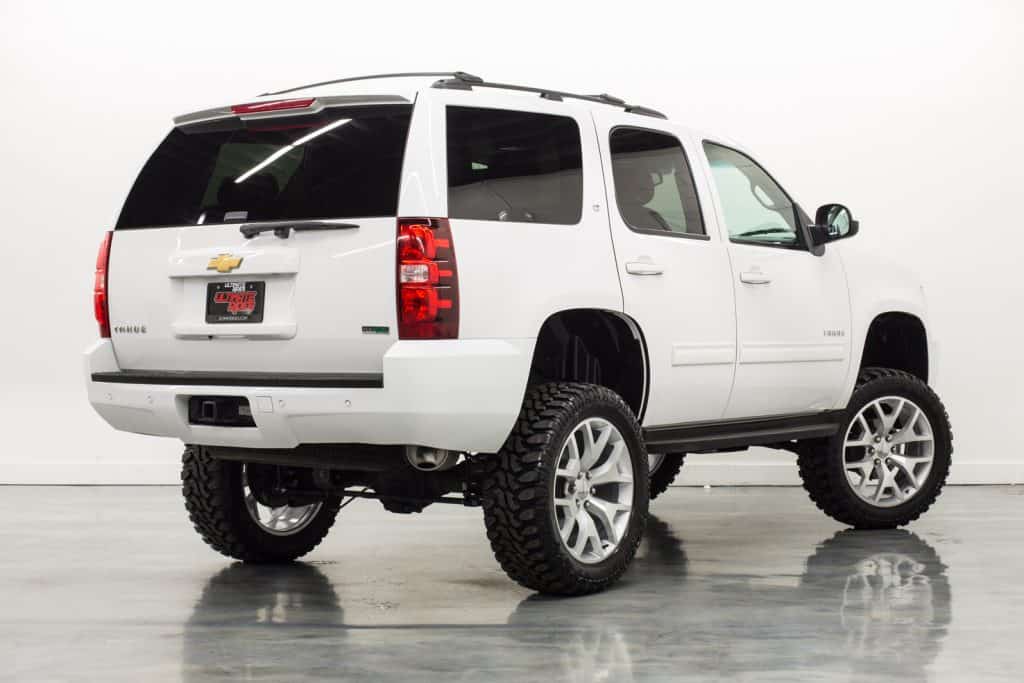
point(909, 112)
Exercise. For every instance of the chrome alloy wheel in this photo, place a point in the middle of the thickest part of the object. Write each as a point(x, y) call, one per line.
point(888, 451)
point(593, 490)
point(284, 520)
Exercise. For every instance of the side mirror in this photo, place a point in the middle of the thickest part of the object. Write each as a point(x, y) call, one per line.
point(833, 222)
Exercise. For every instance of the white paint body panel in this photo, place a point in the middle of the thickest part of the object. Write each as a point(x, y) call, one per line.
point(686, 312)
point(459, 394)
point(792, 324)
point(717, 348)
point(787, 362)
point(321, 287)
point(878, 286)
point(513, 276)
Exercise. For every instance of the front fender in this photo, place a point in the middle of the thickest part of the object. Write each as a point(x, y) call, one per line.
point(877, 287)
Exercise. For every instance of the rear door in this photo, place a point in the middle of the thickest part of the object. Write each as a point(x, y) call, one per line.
point(674, 270)
point(315, 291)
point(525, 199)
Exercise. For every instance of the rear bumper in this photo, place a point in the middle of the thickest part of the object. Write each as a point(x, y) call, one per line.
point(323, 380)
point(458, 394)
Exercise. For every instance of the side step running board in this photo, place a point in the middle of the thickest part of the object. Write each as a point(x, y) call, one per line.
point(711, 436)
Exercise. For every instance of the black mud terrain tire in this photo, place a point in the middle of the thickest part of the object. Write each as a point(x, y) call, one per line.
point(666, 473)
point(517, 487)
point(215, 502)
point(822, 466)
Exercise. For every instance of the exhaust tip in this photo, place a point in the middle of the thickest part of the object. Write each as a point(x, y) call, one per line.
point(430, 459)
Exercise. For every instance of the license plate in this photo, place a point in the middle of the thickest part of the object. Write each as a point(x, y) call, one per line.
point(235, 302)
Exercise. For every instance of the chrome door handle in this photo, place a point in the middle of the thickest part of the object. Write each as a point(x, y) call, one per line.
point(755, 278)
point(641, 268)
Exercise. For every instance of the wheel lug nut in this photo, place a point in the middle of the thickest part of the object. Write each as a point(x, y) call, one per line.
point(871, 449)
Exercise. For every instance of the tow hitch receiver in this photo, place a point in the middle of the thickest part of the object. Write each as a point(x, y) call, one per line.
point(220, 411)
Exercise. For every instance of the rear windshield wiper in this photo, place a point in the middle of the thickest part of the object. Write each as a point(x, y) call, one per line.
point(284, 228)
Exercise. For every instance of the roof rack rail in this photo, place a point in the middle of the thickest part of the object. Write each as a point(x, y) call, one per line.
point(644, 111)
point(461, 80)
point(458, 82)
point(462, 76)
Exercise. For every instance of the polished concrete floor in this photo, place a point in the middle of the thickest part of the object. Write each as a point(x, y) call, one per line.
point(740, 584)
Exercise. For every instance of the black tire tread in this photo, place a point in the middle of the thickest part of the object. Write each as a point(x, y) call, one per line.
point(213, 510)
point(663, 477)
point(824, 490)
point(513, 490)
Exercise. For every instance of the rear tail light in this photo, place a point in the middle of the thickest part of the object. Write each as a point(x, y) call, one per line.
point(428, 280)
point(99, 287)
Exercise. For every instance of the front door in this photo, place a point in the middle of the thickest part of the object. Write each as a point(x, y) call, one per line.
point(792, 307)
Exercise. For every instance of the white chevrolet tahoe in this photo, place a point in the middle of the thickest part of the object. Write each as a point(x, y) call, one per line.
point(429, 288)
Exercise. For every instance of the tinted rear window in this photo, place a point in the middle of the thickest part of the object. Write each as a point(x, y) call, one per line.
point(653, 184)
point(513, 166)
point(342, 163)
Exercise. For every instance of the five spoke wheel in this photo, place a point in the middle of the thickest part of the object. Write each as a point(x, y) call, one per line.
point(888, 451)
point(593, 491)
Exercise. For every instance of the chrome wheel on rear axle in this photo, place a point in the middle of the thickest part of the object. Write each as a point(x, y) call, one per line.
point(282, 520)
point(888, 451)
point(593, 491)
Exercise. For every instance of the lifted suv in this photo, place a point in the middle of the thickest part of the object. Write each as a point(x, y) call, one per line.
point(456, 291)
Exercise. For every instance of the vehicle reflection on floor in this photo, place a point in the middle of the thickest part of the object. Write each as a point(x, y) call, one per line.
point(867, 605)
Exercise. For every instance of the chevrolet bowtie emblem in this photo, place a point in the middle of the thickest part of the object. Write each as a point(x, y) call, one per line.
point(224, 263)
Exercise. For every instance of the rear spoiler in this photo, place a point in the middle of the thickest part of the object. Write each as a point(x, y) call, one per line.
point(271, 108)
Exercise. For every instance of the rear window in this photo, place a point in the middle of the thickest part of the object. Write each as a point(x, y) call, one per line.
point(653, 184)
point(342, 163)
point(513, 166)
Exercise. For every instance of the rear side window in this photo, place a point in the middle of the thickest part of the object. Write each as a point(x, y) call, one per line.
point(653, 183)
point(342, 163)
point(513, 166)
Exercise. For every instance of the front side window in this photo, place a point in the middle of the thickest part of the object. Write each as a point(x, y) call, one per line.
point(756, 209)
point(653, 184)
point(340, 163)
point(513, 166)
